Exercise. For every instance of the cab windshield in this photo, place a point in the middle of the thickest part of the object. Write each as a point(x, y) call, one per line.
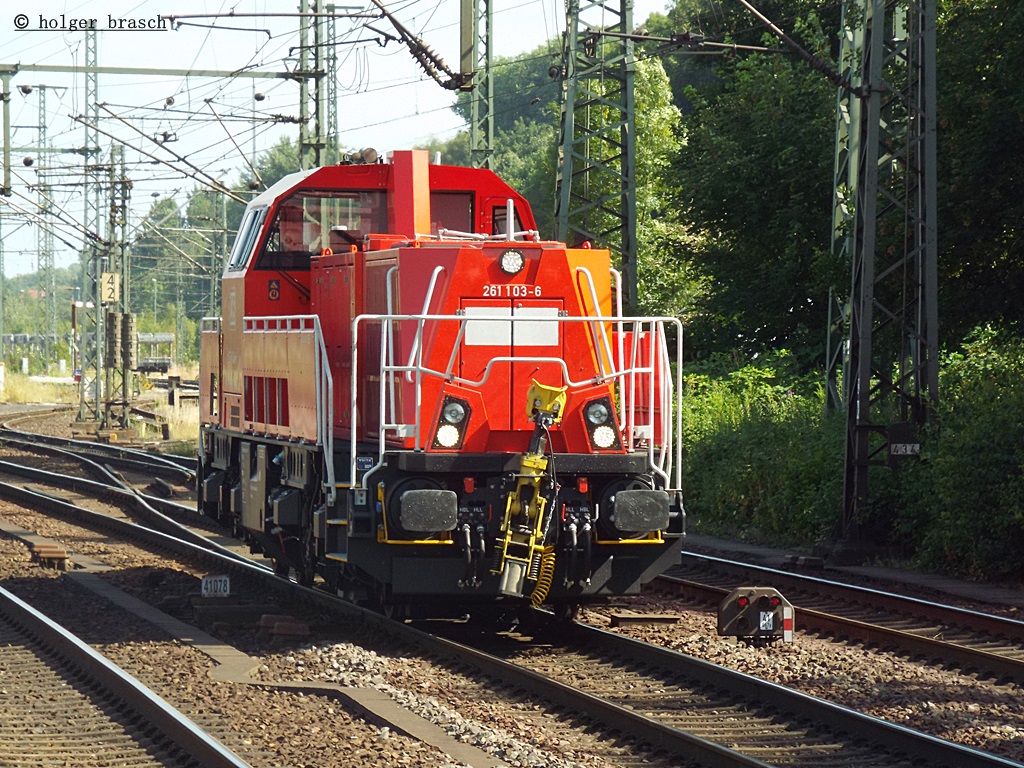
point(310, 221)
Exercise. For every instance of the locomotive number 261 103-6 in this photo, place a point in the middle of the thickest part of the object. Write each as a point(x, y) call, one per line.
point(497, 291)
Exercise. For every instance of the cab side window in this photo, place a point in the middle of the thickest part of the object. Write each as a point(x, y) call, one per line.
point(246, 238)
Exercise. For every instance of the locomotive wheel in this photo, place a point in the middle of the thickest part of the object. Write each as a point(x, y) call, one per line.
point(385, 604)
point(307, 573)
point(566, 612)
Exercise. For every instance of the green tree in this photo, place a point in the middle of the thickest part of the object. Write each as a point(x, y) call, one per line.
point(524, 89)
point(665, 283)
point(981, 154)
point(960, 509)
point(273, 165)
point(753, 180)
point(697, 66)
point(154, 251)
point(524, 157)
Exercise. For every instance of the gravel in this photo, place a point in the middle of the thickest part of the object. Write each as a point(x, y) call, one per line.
point(274, 728)
point(269, 727)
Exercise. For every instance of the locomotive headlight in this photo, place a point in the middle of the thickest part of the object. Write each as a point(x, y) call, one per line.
point(512, 261)
point(452, 423)
point(597, 413)
point(448, 436)
point(454, 412)
point(600, 423)
point(603, 436)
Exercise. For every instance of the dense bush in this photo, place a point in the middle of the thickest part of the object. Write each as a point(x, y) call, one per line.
point(962, 506)
point(761, 462)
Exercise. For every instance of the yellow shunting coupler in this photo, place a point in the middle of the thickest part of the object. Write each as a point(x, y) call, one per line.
point(522, 556)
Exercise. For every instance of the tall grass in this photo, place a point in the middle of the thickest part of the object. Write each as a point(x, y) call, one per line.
point(19, 388)
point(762, 463)
point(184, 428)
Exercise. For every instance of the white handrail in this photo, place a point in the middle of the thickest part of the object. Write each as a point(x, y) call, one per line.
point(426, 308)
point(598, 318)
point(662, 399)
point(324, 381)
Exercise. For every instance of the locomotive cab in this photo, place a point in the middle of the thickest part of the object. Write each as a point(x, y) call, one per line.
point(377, 407)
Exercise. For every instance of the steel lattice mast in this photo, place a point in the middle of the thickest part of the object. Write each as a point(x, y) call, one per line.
point(44, 234)
point(89, 325)
point(478, 59)
point(311, 102)
point(120, 323)
point(596, 184)
point(885, 213)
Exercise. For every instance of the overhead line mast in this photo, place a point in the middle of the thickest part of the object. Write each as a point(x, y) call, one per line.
point(595, 198)
point(478, 62)
point(884, 217)
point(885, 214)
point(884, 205)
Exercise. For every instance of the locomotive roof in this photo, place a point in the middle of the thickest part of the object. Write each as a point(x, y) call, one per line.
point(267, 196)
point(292, 180)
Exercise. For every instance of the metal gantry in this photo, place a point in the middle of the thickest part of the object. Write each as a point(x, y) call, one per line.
point(885, 215)
point(596, 182)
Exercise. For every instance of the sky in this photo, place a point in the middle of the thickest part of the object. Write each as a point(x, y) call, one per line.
point(216, 123)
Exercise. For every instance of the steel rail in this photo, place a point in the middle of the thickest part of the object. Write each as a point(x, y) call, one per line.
point(937, 752)
point(922, 746)
point(614, 716)
point(142, 702)
point(143, 506)
point(179, 468)
point(975, 620)
point(964, 656)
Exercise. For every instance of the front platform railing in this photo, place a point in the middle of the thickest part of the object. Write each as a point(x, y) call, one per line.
point(638, 364)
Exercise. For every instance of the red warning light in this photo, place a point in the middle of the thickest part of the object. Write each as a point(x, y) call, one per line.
point(742, 602)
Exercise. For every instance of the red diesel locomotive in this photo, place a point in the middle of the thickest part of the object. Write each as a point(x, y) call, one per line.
point(412, 396)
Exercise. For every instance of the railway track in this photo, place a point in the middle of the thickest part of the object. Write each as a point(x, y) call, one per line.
point(77, 471)
point(697, 712)
point(971, 640)
point(179, 469)
point(690, 707)
point(63, 704)
point(693, 712)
